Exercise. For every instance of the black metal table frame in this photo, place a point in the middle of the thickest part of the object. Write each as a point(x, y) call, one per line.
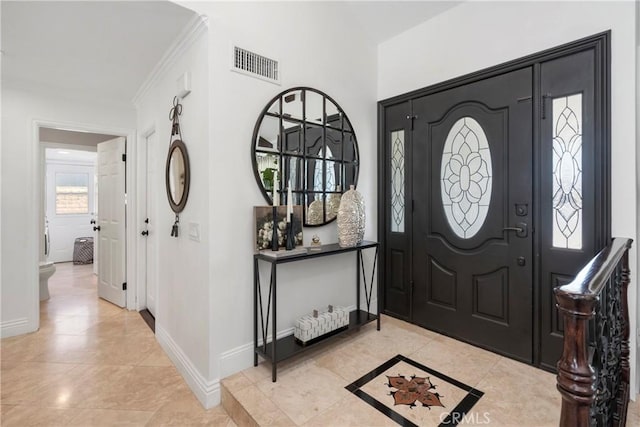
point(269, 350)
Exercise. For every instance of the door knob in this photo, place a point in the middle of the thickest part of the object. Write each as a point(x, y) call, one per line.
point(521, 229)
point(145, 233)
point(96, 228)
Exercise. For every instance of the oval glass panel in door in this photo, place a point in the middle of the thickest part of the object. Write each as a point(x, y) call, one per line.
point(466, 177)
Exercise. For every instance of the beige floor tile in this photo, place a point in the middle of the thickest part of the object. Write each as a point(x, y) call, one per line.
point(453, 358)
point(183, 409)
point(236, 382)
point(156, 357)
point(21, 382)
point(109, 417)
point(262, 409)
point(518, 393)
point(351, 411)
point(305, 392)
point(25, 415)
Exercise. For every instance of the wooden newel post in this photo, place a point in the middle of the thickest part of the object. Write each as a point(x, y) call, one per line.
point(576, 378)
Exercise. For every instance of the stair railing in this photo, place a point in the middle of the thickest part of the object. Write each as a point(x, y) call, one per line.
point(593, 372)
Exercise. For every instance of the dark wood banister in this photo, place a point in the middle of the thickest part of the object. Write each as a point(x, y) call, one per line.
point(578, 302)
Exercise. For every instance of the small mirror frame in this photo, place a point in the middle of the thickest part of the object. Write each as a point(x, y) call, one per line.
point(178, 206)
point(256, 131)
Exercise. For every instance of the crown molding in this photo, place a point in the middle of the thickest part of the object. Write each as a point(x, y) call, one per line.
point(194, 28)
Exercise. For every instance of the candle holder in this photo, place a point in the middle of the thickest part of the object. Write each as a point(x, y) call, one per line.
point(274, 236)
point(290, 237)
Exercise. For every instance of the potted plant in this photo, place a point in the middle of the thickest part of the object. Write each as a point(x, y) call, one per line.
point(268, 175)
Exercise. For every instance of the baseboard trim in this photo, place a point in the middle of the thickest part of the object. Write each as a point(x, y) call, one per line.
point(207, 391)
point(10, 328)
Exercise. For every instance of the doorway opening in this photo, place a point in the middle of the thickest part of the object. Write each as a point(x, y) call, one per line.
point(82, 196)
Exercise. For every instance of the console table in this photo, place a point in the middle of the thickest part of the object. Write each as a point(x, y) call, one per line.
point(280, 349)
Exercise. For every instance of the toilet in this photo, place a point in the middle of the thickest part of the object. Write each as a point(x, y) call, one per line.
point(47, 269)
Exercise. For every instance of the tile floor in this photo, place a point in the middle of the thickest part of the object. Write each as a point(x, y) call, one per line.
point(93, 364)
point(310, 390)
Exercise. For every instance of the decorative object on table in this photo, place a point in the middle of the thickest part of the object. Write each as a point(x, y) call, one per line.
point(263, 218)
point(177, 171)
point(316, 244)
point(316, 325)
point(274, 230)
point(351, 219)
point(333, 204)
point(304, 134)
point(290, 238)
point(314, 213)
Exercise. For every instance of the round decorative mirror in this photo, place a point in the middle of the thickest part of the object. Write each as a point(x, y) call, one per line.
point(177, 176)
point(304, 139)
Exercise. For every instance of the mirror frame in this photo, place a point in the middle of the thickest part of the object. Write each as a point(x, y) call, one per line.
point(346, 123)
point(178, 206)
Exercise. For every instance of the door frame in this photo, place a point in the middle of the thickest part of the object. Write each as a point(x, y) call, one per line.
point(141, 265)
point(37, 200)
point(601, 45)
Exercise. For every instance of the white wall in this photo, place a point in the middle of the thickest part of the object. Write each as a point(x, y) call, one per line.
point(315, 48)
point(476, 35)
point(20, 185)
point(183, 324)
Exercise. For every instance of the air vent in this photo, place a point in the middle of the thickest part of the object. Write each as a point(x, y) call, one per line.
point(255, 65)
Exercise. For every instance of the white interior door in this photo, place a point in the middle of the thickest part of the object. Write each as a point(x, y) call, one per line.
point(69, 207)
point(111, 220)
point(151, 247)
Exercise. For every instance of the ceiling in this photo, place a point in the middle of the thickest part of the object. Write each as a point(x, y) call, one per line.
point(105, 50)
point(99, 49)
point(382, 20)
point(61, 136)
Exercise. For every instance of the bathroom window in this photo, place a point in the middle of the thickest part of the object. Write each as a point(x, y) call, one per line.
point(72, 193)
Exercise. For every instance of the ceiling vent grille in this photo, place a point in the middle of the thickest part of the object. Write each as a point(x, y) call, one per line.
point(255, 65)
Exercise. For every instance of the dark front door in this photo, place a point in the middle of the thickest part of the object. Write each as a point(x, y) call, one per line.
point(472, 193)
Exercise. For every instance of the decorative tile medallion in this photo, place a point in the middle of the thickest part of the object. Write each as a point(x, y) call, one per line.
point(413, 400)
point(415, 389)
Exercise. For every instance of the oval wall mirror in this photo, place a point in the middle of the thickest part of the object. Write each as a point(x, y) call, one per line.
point(303, 137)
point(177, 176)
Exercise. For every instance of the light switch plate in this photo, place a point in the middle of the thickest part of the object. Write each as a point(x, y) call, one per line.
point(194, 231)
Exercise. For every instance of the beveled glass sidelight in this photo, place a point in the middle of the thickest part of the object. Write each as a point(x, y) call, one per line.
point(304, 137)
point(397, 181)
point(567, 171)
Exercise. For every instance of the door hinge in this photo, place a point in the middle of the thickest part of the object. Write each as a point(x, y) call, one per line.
point(413, 205)
point(124, 157)
point(124, 286)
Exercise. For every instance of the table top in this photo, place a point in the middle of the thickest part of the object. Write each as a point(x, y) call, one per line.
point(300, 253)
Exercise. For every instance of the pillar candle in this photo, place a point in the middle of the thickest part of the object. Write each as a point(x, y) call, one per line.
point(289, 202)
point(276, 195)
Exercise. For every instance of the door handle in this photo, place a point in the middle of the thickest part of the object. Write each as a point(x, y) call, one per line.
point(145, 233)
point(521, 229)
point(96, 228)
point(93, 221)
